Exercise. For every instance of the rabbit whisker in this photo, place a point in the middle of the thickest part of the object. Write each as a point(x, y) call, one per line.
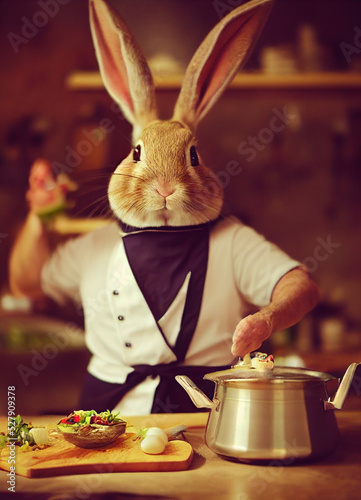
point(187, 207)
point(126, 175)
point(101, 203)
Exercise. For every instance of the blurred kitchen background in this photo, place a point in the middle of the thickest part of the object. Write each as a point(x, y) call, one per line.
point(285, 140)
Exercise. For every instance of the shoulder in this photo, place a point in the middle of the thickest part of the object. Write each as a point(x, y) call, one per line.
point(233, 228)
point(245, 243)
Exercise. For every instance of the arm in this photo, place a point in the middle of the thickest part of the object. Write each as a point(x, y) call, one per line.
point(31, 249)
point(29, 254)
point(294, 295)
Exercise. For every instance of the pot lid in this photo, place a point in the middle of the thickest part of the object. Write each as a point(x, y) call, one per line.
point(279, 374)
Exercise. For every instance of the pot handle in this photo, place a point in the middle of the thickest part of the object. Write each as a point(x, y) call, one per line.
point(341, 394)
point(197, 396)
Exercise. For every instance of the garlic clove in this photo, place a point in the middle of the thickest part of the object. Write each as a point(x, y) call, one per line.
point(153, 445)
point(157, 431)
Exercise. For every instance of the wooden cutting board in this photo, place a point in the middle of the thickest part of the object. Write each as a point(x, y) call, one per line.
point(124, 455)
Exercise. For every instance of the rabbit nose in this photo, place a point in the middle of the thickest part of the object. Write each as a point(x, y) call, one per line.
point(164, 189)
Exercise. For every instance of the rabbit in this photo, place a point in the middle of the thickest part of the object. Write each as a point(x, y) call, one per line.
point(165, 286)
point(163, 181)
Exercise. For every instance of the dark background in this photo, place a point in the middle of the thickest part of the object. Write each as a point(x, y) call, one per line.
point(301, 190)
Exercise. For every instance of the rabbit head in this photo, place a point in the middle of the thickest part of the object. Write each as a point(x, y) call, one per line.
point(163, 181)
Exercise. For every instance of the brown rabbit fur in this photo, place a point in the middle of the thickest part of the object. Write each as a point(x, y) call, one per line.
point(137, 191)
point(163, 181)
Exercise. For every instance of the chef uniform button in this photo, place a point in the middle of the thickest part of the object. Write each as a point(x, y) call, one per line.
point(120, 317)
point(128, 344)
point(115, 292)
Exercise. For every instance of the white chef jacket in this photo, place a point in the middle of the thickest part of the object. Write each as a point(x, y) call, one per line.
point(93, 270)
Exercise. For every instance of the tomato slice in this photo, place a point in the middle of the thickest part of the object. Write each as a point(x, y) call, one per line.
point(96, 419)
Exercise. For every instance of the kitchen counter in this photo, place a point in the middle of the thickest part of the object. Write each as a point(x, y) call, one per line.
point(210, 476)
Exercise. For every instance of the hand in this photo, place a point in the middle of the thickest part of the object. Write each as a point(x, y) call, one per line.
point(43, 190)
point(47, 193)
point(251, 332)
point(294, 295)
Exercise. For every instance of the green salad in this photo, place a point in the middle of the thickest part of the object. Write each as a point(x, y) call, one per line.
point(79, 418)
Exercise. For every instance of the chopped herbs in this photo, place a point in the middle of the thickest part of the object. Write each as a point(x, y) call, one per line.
point(19, 433)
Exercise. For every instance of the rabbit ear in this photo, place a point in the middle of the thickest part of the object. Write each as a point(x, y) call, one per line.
point(223, 52)
point(125, 72)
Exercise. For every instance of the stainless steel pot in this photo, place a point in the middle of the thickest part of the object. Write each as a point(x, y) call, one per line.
point(286, 415)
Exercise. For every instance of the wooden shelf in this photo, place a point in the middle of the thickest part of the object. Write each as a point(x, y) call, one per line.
point(67, 226)
point(91, 80)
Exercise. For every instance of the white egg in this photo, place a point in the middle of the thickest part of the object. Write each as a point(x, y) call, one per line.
point(153, 445)
point(157, 431)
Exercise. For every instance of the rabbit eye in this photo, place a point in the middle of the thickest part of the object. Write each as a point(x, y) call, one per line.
point(194, 156)
point(136, 154)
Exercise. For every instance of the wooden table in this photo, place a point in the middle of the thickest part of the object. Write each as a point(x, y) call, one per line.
point(336, 477)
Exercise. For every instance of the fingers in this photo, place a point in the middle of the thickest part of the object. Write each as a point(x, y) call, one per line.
point(41, 175)
point(250, 333)
point(43, 187)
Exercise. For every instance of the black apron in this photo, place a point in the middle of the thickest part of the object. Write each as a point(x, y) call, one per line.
point(160, 259)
